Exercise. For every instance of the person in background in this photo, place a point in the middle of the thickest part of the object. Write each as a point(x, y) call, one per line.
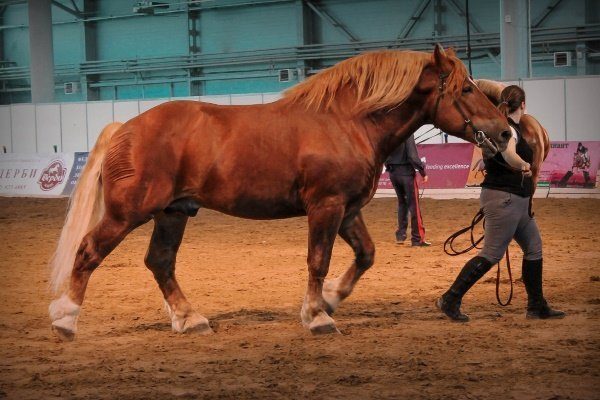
point(401, 165)
point(506, 192)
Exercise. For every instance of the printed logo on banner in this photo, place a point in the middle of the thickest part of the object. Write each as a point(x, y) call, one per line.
point(54, 174)
point(78, 164)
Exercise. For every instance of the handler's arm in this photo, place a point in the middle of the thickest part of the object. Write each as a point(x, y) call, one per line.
point(512, 158)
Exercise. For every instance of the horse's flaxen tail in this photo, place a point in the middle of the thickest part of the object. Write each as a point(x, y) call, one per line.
point(86, 207)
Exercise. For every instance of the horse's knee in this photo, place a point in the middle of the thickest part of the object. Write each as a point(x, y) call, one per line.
point(366, 258)
point(160, 263)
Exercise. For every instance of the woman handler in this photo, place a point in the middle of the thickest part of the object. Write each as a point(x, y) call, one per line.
point(505, 198)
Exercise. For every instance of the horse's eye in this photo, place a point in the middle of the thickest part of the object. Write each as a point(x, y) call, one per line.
point(467, 89)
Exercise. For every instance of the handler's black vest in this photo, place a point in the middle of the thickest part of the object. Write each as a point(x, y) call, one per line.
point(500, 177)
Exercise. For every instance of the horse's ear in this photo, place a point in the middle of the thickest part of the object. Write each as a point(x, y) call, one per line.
point(450, 52)
point(441, 59)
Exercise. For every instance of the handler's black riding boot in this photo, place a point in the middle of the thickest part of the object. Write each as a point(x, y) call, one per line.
point(450, 301)
point(537, 307)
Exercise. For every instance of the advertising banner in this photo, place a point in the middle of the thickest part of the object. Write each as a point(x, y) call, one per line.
point(447, 165)
point(34, 174)
point(571, 164)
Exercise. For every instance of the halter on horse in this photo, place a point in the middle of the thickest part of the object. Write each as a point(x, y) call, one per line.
point(481, 139)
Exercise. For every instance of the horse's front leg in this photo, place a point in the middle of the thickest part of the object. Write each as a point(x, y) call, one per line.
point(354, 232)
point(323, 223)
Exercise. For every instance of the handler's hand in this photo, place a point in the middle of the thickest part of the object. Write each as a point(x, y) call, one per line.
point(425, 178)
point(526, 170)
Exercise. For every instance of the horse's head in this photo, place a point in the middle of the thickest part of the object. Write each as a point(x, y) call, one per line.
point(457, 106)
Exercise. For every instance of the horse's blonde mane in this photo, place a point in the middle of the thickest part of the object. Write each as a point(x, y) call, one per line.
point(382, 79)
point(492, 89)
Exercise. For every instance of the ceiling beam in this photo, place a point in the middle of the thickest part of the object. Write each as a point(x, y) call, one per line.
point(73, 11)
point(337, 25)
point(538, 21)
point(416, 15)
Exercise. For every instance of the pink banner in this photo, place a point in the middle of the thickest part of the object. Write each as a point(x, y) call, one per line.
point(456, 165)
point(571, 164)
point(447, 165)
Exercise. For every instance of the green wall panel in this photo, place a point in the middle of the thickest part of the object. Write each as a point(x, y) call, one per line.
point(146, 36)
point(226, 30)
point(242, 44)
point(237, 86)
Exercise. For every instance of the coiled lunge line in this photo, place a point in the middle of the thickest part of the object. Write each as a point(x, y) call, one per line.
point(451, 251)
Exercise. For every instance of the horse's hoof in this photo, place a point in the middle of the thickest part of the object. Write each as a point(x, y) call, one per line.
point(194, 323)
point(63, 333)
point(197, 324)
point(322, 324)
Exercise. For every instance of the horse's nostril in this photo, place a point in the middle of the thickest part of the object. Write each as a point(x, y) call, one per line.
point(505, 135)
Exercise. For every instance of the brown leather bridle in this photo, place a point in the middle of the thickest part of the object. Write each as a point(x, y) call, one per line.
point(481, 138)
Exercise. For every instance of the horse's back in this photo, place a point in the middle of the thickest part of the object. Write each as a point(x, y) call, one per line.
point(535, 134)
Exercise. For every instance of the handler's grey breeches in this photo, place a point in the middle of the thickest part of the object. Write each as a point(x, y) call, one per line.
point(507, 217)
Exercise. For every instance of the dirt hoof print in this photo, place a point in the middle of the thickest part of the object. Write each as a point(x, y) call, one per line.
point(201, 329)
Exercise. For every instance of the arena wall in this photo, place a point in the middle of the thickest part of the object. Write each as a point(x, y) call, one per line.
point(567, 107)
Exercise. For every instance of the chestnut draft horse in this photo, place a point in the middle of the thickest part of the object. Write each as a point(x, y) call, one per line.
point(532, 131)
point(318, 152)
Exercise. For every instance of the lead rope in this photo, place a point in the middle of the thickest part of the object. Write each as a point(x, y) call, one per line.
point(451, 251)
point(510, 296)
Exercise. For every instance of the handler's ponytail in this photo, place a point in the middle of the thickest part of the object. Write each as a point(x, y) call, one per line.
point(510, 99)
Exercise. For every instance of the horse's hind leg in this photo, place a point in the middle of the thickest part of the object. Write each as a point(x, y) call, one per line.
point(94, 247)
point(354, 232)
point(160, 259)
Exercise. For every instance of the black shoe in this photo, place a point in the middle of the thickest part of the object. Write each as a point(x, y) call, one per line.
point(544, 312)
point(537, 306)
point(451, 309)
point(400, 239)
point(450, 301)
point(421, 244)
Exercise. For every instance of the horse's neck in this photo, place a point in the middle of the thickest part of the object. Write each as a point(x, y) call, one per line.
point(392, 128)
point(385, 129)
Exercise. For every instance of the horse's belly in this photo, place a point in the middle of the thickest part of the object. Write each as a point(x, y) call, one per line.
point(245, 205)
point(257, 209)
